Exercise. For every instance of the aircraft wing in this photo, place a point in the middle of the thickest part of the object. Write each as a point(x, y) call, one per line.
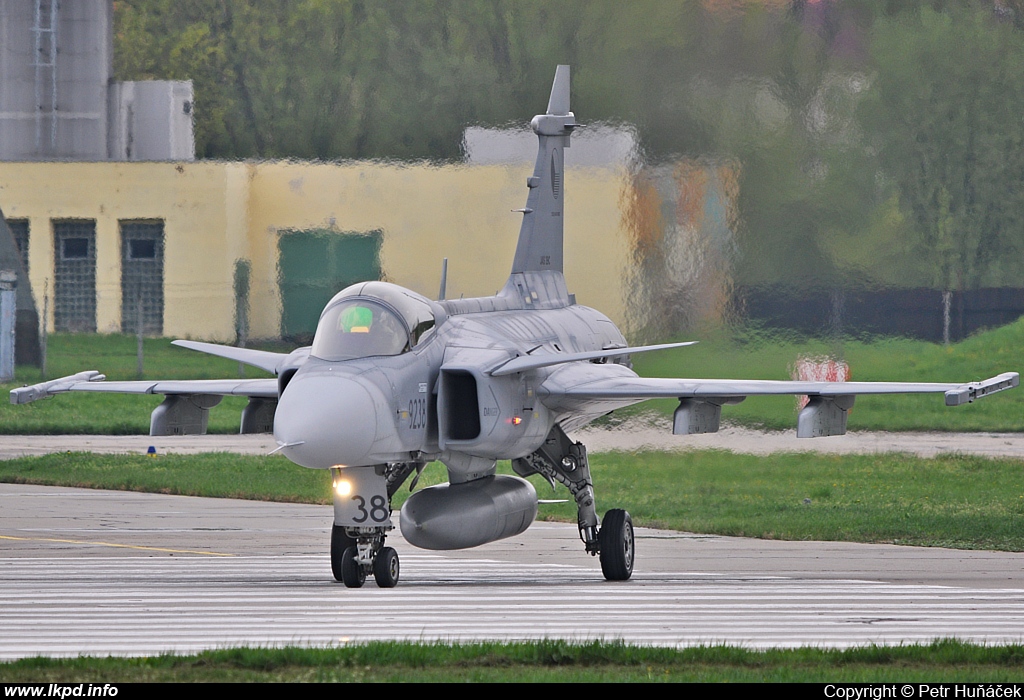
point(596, 387)
point(267, 361)
point(94, 381)
point(528, 362)
point(641, 388)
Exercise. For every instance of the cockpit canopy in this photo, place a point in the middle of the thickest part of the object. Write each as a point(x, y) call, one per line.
point(373, 318)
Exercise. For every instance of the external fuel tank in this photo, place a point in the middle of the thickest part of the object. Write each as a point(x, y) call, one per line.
point(456, 516)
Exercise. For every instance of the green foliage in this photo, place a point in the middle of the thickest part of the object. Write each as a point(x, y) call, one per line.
point(738, 354)
point(317, 79)
point(217, 475)
point(950, 501)
point(878, 142)
point(116, 414)
point(943, 113)
point(748, 354)
point(546, 661)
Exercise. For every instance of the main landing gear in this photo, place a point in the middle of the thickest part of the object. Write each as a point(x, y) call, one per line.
point(562, 460)
point(616, 542)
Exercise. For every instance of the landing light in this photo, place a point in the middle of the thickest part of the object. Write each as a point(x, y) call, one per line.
point(343, 487)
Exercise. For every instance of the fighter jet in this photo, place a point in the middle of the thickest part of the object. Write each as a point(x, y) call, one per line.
point(394, 380)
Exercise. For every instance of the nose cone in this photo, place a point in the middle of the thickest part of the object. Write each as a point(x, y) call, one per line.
point(324, 421)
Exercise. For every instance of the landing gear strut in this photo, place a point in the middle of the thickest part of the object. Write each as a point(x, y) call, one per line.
point(363, 506)
point(562, 460)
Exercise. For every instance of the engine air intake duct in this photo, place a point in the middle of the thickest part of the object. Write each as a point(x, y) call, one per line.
point(460, 405)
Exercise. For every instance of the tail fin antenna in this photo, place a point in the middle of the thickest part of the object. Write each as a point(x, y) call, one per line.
point(444, 280)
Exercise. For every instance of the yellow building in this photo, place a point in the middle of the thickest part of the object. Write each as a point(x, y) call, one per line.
point(193, 248)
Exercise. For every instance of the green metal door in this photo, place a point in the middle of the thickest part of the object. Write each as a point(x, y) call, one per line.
point(314, 266)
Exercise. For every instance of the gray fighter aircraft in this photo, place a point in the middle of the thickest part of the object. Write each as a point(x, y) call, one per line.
point(394, 380)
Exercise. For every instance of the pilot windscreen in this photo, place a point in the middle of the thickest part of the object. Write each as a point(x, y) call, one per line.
point(359, 329)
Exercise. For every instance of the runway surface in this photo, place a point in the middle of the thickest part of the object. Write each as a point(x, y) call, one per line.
point(100, 572)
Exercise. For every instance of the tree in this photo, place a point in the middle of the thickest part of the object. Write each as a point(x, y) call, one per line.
point(944, 116)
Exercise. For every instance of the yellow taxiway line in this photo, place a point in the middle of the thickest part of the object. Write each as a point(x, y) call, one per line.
point(114, 544)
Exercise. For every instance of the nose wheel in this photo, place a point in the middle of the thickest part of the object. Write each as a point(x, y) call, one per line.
point(385, 568)
point(353, 575)
point(353, 559)
point(340, 541)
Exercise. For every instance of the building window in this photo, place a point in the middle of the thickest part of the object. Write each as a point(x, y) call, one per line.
point(74, 293)
point(141, 249)
point(75, 248)
point(142, 277)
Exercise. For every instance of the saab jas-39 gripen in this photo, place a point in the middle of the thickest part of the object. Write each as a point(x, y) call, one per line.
point(394, 380)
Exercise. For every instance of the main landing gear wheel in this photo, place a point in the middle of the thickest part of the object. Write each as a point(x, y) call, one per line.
point(385, 568)
point(340, 541)
point(352, 573)
point(616, 538)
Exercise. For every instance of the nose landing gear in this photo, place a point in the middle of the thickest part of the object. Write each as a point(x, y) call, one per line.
point(354, 558)
point(362, 504)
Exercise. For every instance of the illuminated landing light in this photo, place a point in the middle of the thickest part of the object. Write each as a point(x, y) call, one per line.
point(342, 486)
point(516, 420)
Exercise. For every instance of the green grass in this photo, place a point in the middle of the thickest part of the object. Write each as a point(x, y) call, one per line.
point(217, 475)
point(547, 661)
point(115, 414)
point(738, 354)
point(951, 501)
point(747, 354)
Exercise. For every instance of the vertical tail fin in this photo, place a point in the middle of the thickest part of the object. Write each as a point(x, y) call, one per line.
point(540, 237)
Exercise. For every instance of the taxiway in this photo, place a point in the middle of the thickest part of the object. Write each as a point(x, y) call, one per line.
point(102, 572)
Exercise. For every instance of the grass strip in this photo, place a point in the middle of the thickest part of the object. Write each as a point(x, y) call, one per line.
point(952, 500)
point(116, 414)
point(751, 353)
point(739, 353)
point(544, 661)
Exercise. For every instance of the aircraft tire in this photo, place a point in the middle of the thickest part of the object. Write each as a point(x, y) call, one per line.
point(617, 545)
point(340, 541)
point(385, 568)
point(352, 574)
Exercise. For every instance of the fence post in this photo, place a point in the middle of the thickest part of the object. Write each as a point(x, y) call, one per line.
point(8, 312)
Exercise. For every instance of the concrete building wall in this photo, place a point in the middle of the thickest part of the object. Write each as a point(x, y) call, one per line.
point(55, 67)
point(217, 213)
point(151, 120)
point(190, 200)
point(428, 213)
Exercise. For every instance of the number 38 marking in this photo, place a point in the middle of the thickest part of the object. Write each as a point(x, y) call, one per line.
point(378, 512)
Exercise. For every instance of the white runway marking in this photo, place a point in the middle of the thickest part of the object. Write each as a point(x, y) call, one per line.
point(104, 572)
point(149, 605)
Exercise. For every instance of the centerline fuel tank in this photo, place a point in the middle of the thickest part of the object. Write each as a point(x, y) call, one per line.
point(456, 516)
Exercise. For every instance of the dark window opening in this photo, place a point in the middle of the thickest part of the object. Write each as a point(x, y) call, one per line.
point(75, 248)
point(139, 249)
